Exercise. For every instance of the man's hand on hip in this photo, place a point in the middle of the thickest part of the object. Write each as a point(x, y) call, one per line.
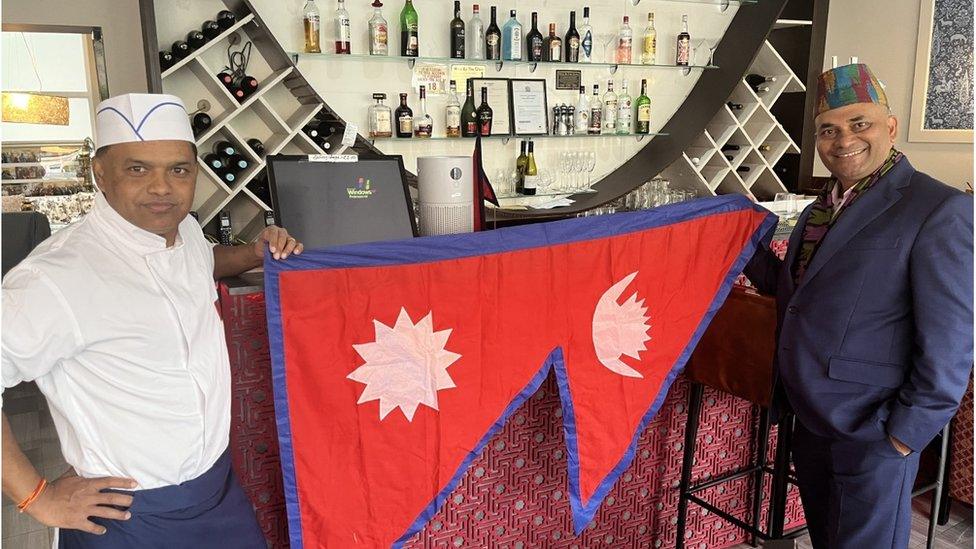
point(70, 500)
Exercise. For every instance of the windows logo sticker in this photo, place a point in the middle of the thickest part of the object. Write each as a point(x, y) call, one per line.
point(363, 189)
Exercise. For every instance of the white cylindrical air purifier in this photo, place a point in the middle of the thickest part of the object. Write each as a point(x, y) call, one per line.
point(445, 195)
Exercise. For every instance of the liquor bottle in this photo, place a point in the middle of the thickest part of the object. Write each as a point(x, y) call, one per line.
point(756, 82)
point(380, 118)
point(256, 145)
point(423, 124)
point(493, 38)
point(521, 163)
point(485, 114)
point(743, 169)
point(572, 41)
point(457, 33)
point(224, 149)
point(195, 39)
point(649, 51)
point(729, 157)
point(609, 110)
point(227, 79)
point(764, 148)
point(683, 52)
point(643, 110)
point(596, 112)
point(213, 162)
point(469, 114)
point(512, 39)
point(734, 106)
point(586, 38)
point(531, 181)
point(553, 50)
point(535, 44)
point(730, 147)
point(201, 123)
point(225, 231)
point(476, 35)
point(582, 121)
point(210, 29)
point(453, 112)
point(379, 31)
point(404, 118)
point(226, 19)
point(180, 50)
point(260, 188)
point(409, 31)
point(625, 111)
point(235, 163)
point(625, 43)
point(311, 20)
point(227, 176)
point(343, 31)
point(166, 60)
point(248, 84)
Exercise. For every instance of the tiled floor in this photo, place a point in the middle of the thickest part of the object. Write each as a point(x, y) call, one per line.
point(31, 423)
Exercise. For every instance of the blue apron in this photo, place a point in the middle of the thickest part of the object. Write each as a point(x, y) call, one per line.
point(208, 511)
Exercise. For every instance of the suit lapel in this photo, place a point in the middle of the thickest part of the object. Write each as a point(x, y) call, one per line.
point(793, 248)
point(866, 209)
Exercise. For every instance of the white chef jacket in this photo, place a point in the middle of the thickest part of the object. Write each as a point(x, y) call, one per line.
point(123, 338)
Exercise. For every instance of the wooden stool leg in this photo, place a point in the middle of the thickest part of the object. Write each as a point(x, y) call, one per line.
point(688, 458)
point(939, 478)
point(762, 448)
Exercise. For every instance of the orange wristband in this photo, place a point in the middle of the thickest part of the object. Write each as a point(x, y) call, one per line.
point(22, 506)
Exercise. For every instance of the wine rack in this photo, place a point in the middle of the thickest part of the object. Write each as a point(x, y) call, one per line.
point(758, 141)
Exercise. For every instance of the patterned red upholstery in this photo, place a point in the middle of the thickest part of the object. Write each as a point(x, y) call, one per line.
point(961, 450)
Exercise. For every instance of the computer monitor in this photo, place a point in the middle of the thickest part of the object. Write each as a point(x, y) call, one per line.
point(324, 202)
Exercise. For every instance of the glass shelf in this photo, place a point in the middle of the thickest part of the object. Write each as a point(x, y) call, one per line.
point(498, 64)
point(722, 4)
point(506, 138)
point(553, 194)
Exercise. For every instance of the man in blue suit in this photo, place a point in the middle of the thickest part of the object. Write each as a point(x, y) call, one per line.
point(875, 302)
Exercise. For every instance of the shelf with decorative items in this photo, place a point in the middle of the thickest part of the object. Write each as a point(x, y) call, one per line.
point(744, 135)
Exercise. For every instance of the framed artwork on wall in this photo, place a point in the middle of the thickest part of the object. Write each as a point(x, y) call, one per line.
point(942, 96)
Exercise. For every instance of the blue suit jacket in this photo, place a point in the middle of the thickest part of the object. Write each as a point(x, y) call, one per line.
point(878, 337)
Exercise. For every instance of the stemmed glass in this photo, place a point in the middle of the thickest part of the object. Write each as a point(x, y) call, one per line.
point(589, 167)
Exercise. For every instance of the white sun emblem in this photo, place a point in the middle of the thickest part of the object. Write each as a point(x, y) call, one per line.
point(620, 328)
point(405, 366)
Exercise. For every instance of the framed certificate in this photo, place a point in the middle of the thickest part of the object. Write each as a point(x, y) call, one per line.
point(530, 109)
point(498, 100)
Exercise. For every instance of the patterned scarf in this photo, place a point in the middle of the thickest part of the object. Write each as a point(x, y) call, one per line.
point(822, 217)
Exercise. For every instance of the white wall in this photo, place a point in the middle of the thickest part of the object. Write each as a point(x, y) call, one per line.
point(884, 34)
point(347, 85)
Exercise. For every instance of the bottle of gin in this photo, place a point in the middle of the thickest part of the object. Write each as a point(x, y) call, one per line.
point(476, 35)
point(379, 31)
point(625, 111)
point(609, 110)
point(453, 112)
point(512, 39)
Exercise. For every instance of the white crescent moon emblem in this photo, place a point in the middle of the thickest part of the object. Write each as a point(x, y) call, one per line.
point(620, 329)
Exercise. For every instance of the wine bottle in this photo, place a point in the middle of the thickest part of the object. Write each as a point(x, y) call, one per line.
point(227, 176)
point(248, 85)
point(180, 50)
point(764, 148)
point(256, 145)
point(730, 147)
point(643, 110)
point(572, 42)
point(311, 22)
point(625, 43)
point(553, 50)
point(166, 60)
point(224, 148)
point(213, 162)
point(586, 38)
point(453, 113)
point(380, 118)
point(521, 163)
point(649, 50)
point(493, 38)
point(531, 173)
point(476, 35)
point(210, 29)
point(379, 31)
point(259, 187)
point(596, 112)
point(512, 39)
point(201, 122)
point(227, 79)
point(469, 114)
point(729, 157)
point(734, 106)
point(409, 31)
point(755, 81)
point(535, 44)
point(683, 52)
point(404, 118)
point(485, 115)
point(457, 33)
point(743, 169)
point(235, 163)
point(343, 29)
point(226, 19)
point(195, 39)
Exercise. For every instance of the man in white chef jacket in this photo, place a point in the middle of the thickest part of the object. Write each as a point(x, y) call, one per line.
point(114, 318)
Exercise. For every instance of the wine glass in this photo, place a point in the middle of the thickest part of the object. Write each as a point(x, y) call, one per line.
point(590, 166)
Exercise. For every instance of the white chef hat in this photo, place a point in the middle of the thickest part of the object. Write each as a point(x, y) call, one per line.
point(137, 117)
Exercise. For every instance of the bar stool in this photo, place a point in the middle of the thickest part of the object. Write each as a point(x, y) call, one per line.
point(937, 486)
point(735, 356)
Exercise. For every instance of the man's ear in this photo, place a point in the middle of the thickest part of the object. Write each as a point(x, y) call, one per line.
point(98, 170)
point(893, 128)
